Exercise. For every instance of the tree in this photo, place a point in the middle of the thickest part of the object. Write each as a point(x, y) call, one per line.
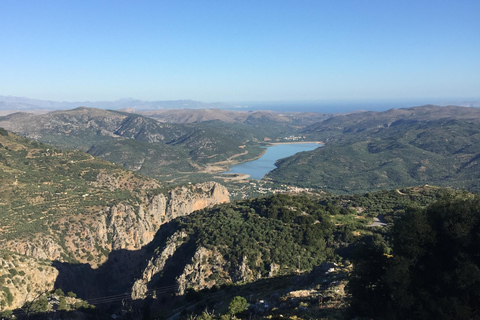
point(38, 305)
point(367, 283)
point(237, 305)
point(433, 271)
point(62, 303)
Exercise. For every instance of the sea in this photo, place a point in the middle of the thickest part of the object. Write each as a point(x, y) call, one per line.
point(333, 106)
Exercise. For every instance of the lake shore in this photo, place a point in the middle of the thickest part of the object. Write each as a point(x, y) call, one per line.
point(258, 168)
point(296, 142)
point(233, 176)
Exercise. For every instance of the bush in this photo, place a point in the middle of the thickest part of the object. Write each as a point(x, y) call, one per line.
point(7, 314)
point(8, 295)
point(59, 292)
point(237, 305)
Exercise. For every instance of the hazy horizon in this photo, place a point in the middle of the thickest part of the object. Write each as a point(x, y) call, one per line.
point(323, 106)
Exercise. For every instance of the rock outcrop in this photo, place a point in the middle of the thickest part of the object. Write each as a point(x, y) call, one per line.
point(89, 238)
point(206, 268)
point(156, 264)
point(22, 279)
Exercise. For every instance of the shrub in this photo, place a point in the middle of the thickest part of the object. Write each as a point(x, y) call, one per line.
point(237, 305)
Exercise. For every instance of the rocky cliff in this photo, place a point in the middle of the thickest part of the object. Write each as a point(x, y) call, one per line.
point(201, 268)
point(74, 210)
point(23, 278)
point(89, 238)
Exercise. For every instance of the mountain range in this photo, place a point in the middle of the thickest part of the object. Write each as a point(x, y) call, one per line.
point(362, 151)
point(381, 150)
point(115, 237)
point(75, 223)
point(20, 103)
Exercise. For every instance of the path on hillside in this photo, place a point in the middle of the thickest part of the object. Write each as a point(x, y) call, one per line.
point(378, 221)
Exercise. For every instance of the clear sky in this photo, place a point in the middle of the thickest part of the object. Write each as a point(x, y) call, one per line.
point(240, 50)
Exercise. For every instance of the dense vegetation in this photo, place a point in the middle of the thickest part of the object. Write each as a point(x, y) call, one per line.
point(279, 230)
point(296, 231)
point(428, 268)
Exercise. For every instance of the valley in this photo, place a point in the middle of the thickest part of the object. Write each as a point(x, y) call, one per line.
point(128, 214)
point(239, 160)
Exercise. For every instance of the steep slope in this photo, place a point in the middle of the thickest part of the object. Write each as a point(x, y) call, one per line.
point(22, 278)
point(68, 206)
point(266, 237)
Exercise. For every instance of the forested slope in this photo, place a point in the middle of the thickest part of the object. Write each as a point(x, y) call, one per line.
point(389, 150)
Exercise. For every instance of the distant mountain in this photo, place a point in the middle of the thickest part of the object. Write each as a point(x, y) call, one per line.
point(363, 151)
point(247, 117)
point(157, 149)
point(19, 103)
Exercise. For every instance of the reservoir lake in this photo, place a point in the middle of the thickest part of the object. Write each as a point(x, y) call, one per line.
point(258, 168)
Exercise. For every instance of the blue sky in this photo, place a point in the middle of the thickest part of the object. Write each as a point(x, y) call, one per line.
point(241, 50)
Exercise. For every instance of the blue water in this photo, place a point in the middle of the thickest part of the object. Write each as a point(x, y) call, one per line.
point(258, 168)
point(334, 106)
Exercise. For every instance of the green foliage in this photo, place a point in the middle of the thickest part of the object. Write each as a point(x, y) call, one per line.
point(238, 305)
point(59, 292)
point(367, 280)
point(264, 232)
point(367, 155)
point(7, 314)
point(80, 304)
point(62, 304)
point(294, 231)
point(13, 272)
point(39, 305)
point(8, 295)
point(433, 269)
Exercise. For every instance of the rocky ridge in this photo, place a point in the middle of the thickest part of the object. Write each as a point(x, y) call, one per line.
point(27, 270)
point(122, 226)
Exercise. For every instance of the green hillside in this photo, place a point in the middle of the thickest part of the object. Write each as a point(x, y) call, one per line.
point(374, 155)
point(362, 151)
point(165, 151)
point(42, 187)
